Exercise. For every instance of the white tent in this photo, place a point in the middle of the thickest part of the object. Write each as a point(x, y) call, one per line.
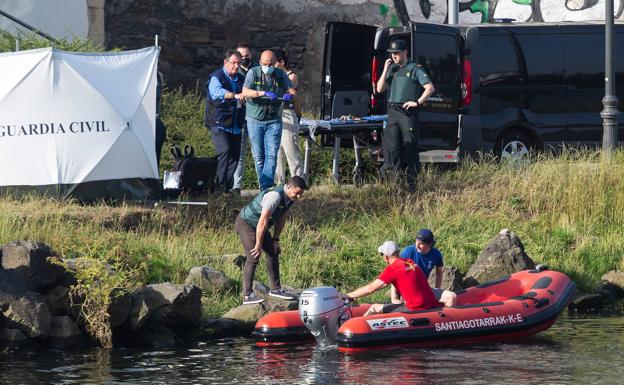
point(79, 124)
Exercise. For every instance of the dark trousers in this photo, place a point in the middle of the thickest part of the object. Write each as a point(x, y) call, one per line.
point(247, 235)
point(400, 145)
point(227, 146)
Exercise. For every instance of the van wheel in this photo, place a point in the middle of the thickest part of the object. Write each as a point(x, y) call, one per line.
point(515, 147)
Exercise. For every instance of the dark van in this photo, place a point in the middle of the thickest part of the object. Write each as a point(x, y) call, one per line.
point(505, 88)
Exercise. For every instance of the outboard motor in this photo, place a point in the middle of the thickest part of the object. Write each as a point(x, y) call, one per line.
point(322, 311)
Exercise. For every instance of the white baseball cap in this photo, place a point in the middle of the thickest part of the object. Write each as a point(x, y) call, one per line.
point(388, 248)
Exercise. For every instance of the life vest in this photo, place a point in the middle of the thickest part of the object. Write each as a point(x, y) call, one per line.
point(251, 212)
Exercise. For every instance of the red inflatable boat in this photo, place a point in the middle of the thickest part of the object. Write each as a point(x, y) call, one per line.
point(513, 307)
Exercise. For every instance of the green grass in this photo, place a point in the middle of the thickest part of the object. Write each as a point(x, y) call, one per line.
point(567, 210)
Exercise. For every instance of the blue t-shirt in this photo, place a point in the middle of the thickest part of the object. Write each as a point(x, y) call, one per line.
point(425, 261)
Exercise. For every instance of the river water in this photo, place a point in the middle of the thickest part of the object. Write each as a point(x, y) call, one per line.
point(575, 350)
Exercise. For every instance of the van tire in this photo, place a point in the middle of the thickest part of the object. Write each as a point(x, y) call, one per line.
point(514, 146)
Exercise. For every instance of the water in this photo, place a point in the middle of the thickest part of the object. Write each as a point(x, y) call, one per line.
point(577, 350)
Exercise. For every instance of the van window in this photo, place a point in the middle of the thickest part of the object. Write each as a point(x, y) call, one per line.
point(346, 70)
point(499, 64)
point(438, 56)
point(543, 57)
point(584, 56)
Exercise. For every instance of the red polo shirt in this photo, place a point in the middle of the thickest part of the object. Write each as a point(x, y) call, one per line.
point(410, 281)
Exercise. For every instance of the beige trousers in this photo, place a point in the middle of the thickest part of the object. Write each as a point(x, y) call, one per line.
point(289, 147)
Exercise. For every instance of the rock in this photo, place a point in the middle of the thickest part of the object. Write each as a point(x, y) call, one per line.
point(615, 278)
point(504, 255)
point(63, 327)
point(173, 305)
point(34, 257)
point(451, 279)
point(12, 336)
point(260, 288)
point(23, 309)
point(587, 302)
point(236, 259)
point(119, 308)
point(58, 301)
point(223, 327)
point(250, 314)
point(609, 291)
point(157, 335)
point(208, 279)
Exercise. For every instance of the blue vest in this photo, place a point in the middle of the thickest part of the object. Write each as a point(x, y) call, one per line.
point(221, 113)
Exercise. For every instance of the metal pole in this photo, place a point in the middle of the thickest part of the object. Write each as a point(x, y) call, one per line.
point(28, 26)
point(156, 40)
point(453, 11)
point(609, 113)
point(17, 45)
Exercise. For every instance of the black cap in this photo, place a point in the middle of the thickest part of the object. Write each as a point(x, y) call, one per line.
point(397, 46)
point(426, 236)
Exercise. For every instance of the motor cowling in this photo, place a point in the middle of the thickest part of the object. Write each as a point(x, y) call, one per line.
point(322, 311)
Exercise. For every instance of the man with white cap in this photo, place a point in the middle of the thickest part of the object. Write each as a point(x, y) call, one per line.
point(408, 279)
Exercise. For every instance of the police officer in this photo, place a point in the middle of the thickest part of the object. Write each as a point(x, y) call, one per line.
point(410, 87)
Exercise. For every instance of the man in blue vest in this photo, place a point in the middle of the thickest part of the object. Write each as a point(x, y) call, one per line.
point(225, 114)
point(263, 87)
point(268, 208)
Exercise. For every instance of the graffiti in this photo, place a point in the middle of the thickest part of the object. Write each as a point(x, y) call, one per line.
point(484, 11)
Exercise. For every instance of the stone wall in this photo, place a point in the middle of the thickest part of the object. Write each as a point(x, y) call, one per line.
point(194, 34)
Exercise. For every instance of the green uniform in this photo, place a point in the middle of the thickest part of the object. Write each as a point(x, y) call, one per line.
point(400, 136)
point(261, 108)
point(406, 82)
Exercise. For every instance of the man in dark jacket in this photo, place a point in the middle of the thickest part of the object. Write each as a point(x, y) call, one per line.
point(225, 114)
point(268, 208)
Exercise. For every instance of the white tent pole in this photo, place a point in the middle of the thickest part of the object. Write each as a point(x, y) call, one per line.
point(17, 45)
point(156, 40)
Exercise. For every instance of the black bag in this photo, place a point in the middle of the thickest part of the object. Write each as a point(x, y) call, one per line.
point(196, 174)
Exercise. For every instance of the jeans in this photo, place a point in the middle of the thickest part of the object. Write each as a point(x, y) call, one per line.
point(240, 167)
point(265, 140)
point(289, 148)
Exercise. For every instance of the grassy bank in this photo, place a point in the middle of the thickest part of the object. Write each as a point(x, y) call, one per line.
point(567, 210)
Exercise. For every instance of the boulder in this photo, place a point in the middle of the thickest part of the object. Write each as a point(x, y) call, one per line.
point(587, 302)
point(12, 337)
point(34, 257)
point(504, 255)
point(173, 305)
point(58, 301)
point(250, 314)
point(23, 309)
point(451, 279)
point(262, 290)
point(63, 327)
point(119, 308)
point(157, 335)
point(616, 278)
point(610, 291)
point(223, 327)
point(208, 279)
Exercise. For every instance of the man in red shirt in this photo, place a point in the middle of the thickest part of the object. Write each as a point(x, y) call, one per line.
point(408, 279)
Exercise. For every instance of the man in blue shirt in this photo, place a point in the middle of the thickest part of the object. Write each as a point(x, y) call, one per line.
point(425, 255)
point(225, 114)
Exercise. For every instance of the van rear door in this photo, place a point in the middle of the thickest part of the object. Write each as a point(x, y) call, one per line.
point(437, 49)
point(347, 62)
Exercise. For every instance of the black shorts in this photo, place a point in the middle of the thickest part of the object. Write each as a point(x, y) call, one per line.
point(395, 308)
